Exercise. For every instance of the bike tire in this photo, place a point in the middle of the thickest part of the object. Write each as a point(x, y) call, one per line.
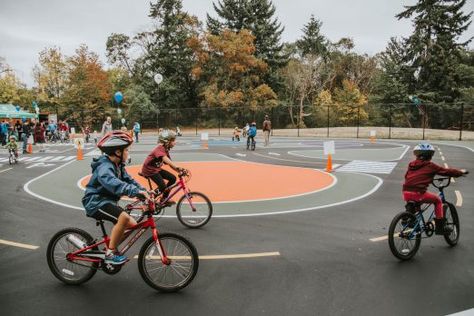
point(185, 214)
point(394, 229)
point(452, 219)
point(179, 250)
point(11, 160)
point(60, 274)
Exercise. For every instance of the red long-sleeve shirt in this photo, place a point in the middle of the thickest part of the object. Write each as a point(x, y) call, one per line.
point(420, 174)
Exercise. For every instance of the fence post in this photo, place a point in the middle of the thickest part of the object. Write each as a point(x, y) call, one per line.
point(358, 120)
point(197, 118)
point(424, 122)
point(461, 122)
point(328, 121)
point(272, 118)
point(298, 122)
point(390, 121)
point(219, 119)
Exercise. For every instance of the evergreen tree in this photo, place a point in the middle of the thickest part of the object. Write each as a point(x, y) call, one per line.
point(313, 42)
point(256, 16)
point(433, 50)
point(167, 53)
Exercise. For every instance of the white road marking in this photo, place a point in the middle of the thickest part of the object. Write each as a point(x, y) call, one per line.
point(221, 257)
point(241, 155)
point(274, 154)
point(29, 159)
point(442, 158)
point(446, 165)
point(368, 167)
point(17, 244)
point(5, 170)
point(3, 159)
point(379, 238)
point(458, 197)
point(69, 158)
point(58, 158)
point(44, 158)
point(467, 312)
point(40, 164)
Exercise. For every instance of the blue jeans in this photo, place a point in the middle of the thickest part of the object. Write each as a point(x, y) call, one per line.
point(24, 138)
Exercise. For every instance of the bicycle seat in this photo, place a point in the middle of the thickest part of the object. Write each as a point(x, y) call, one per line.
point(142, 175)
point(412, 206)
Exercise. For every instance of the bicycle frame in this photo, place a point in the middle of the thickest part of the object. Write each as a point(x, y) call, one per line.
point(142, 226)
point(180, 186)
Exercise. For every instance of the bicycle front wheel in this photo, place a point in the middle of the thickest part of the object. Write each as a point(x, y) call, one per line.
point(67, 271)
point(452, 220)
point(402, 239)
point(194, 210)
point(183, 266)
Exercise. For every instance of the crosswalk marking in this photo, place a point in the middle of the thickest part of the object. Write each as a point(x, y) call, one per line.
point(58, 158)
point(29, 159)
point(69, 158)
point(3, 159)
point(368, 167)
point(44, 158)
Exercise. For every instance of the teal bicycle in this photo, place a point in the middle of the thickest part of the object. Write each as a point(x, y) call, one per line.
point(409, 227)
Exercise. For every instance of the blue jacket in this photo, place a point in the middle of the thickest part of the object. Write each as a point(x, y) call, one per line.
point(136, 127)
point(107, 185)
point(252, 131)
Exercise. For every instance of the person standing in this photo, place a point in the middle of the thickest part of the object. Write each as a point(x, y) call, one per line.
point(3, 132)
point(39, 135)
point(267, 128)
point(136, 130)
point(18, 129)
point(25, 134)
point(107, 126)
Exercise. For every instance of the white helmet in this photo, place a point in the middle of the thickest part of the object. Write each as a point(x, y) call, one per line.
point(424, 151)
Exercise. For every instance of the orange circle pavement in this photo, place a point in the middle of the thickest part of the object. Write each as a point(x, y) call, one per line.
point(235, 181)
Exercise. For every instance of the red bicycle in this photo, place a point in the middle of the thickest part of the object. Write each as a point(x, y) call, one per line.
point(194, 209)
point(167, 262)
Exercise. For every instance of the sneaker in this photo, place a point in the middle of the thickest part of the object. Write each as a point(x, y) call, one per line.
point(116, 259)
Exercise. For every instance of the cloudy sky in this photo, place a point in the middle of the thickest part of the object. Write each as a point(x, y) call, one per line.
point(27, 26)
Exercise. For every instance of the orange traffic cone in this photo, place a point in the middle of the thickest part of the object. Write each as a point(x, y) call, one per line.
point(80, 155)
point(329, 164)
point(29, 148)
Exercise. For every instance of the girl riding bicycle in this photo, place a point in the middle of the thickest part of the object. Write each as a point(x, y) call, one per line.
point(152, 167)
point(418, 177)
point(109, 182)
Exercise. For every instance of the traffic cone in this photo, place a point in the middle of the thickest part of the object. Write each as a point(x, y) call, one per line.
point(329, 164)
point(29, 148)
point(205, 144)
point(80, 155)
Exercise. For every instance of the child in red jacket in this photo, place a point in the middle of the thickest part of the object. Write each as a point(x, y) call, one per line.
point(418, 177)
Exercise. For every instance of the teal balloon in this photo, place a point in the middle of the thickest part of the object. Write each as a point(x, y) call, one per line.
point(118, 96)
point(23, 119)
point(17, 108)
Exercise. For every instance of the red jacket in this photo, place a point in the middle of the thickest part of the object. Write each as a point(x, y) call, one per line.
point(420, 174)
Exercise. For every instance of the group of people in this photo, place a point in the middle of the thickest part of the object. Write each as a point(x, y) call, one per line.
point(110, 181)
point(250, 131)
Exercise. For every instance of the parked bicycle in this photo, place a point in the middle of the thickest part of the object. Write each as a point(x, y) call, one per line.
point(193, 209)
point(409, 227)
point(167, 262)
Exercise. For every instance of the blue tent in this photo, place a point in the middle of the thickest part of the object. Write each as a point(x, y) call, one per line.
point(9, 111)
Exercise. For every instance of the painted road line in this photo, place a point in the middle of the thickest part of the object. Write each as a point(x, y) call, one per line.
point(58, 158)
point(274, 154)
point(17, 244)
point(368, 167)
point(5, 170)
point(3, 159)
point(29, 159)
point(44, 159)
point(452, 180)
point(446, 165)
point(241, 155)
point(458, 197)
point(442, 158)
point(222, 257)
point(467, 312)
point(69, 158)
point(379, 238)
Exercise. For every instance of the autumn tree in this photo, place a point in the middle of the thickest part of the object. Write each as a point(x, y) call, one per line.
point(228, 72)
point(88, 93)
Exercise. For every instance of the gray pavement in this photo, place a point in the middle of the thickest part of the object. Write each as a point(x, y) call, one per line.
point(327, 263)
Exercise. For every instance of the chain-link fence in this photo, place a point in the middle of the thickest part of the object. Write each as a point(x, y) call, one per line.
point(406, 121)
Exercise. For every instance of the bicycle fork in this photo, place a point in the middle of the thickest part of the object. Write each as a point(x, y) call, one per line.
point(164, 259)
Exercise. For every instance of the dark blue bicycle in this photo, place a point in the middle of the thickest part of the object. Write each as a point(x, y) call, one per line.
point(409, 227)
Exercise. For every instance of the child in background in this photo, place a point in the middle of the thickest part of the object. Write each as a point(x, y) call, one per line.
point(12, 145)
point(236, 134)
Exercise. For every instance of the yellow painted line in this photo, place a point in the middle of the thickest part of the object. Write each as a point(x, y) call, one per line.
point(458, 197)
point(5, 170)
point(17, 244)
point(441, 153)
point(452, 180)
point(379, 238)
point(221, 257)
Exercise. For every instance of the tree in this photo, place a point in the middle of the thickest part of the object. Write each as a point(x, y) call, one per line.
point(313, 42)
point(257, 16)
point(348, 103)
point(88, 93)
point(228, 72)
point(51, 77)
point(433, 50)
point(117, 47)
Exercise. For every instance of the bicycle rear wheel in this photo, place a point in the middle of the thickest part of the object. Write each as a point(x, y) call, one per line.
point(178, 273)
point(67, 271)
point(403, 241)
point(194, 210)
point(452, 220)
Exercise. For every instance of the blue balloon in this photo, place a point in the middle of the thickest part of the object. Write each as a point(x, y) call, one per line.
point(118, 97)
point(17, 108)
point(23, 119)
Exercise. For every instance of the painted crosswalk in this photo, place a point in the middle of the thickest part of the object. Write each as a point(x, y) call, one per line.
point(28, 159)
point(364, 166)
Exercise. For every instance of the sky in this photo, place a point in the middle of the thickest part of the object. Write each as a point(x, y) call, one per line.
point(28, 26)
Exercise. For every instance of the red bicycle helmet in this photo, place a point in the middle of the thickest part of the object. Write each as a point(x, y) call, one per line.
point(113, 141)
